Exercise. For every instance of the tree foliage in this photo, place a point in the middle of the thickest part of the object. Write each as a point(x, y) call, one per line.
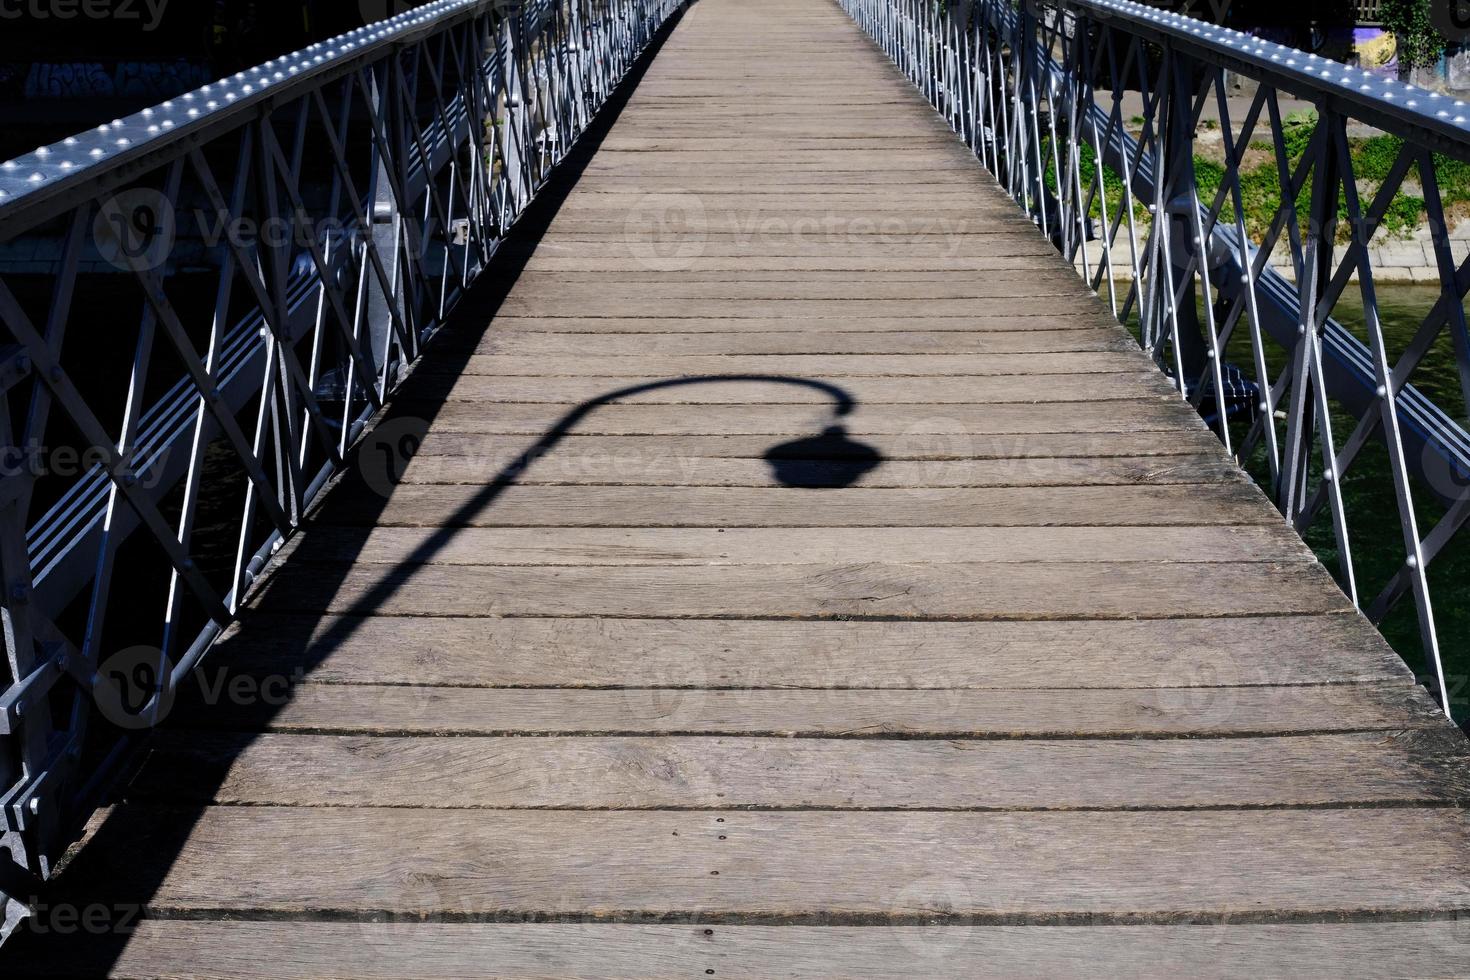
point(1411, 23)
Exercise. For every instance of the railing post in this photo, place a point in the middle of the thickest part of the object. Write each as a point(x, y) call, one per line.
point(513, 129)
point(383, 306)
point(1187, 255)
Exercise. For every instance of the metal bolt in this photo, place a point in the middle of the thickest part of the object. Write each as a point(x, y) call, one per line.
point(20, 707)
point(1380, 391)
point(35, 805)
point(1413, 561)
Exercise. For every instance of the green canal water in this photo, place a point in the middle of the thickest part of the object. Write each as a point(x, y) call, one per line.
point(1375, 535)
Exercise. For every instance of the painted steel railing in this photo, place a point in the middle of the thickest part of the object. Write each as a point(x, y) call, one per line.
point(1089, 112)
point(203, 307)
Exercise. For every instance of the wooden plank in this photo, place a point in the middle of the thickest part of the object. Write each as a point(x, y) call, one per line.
point(1216, 656)
point(1146, 413)
point(831, 160)
point(1039, 450)
point(682, 140)
point(590, 257)
point(674, 772)
point(553, 344)
point(777, 284)
point(1032, 319)
point(407, 949)
point(1070, 388)
point(1052, 590)
point(874, 282)
point(831, 867)
point(552, 304)
point(821, 367)
point(368, 709)
point(413, 505)
point(651, 464)
point(987, 293)
point(931, 249)
point(606, 198)
point(794, 546)
point(817, 220)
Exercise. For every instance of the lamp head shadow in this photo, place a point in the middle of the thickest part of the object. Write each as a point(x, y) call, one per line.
point(828, 461)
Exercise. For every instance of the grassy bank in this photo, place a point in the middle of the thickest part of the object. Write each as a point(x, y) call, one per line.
point(1261, 182)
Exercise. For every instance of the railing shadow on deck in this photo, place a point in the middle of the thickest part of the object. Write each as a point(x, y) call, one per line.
point(829, 459)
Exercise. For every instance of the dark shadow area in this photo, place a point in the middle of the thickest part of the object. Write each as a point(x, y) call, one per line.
point(132, 850)
point(829, 461)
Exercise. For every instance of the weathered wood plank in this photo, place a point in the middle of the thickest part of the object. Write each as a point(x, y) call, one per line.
point(413, 505)
point(831, 867)
point(1100, 590)
point(1145, 413)
point(408, 949)
point(631, 773)
point(688, 214)
point(591, 257)
point(290, 705)
point(605, 198)
point(1087, 337)
point(932, 249)
point(553, 304)
point(794, 546)
point(1027, 319)
point(655, 465)
point(818, 367)
point(810, 654)
point(660, 453)
point(819, 283)
point(1081, 389)
point(875, 282)
point(1032, 319)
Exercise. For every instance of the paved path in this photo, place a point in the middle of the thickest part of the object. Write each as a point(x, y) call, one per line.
point(870, 607)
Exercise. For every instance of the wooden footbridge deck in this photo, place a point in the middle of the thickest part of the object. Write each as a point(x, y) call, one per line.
point(800, 574)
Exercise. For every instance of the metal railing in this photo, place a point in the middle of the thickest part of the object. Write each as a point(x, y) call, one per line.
point(203, 306)
point(1090, 114)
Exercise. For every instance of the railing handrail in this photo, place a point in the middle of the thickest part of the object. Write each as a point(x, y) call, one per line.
point(35, 185)
point(1441, 120)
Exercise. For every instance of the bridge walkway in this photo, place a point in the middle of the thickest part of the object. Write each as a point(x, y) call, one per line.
point(798, 573)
